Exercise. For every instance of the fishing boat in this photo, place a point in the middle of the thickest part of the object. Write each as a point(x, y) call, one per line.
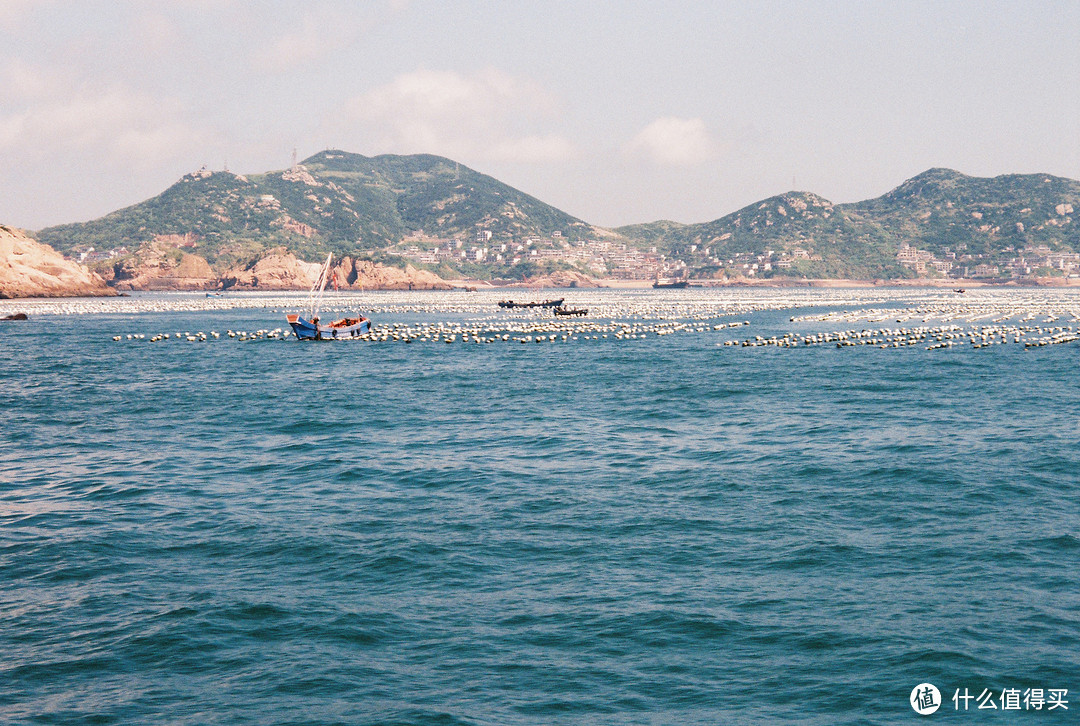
point(312, 329)
point(544, 304)
point(677, 284)
point(571, 311)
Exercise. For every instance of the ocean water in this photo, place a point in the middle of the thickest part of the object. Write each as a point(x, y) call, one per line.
point(649, 530)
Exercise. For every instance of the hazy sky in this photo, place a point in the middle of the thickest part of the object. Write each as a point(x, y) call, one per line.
point(616, 112)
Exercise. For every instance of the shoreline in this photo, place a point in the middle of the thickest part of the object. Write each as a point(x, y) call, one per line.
point(470, 286)
point(799, 282)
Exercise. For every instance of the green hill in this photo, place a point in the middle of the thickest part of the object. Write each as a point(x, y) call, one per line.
point(980, 220)
point(337, 201)
point(942, 209)
point(371, 206)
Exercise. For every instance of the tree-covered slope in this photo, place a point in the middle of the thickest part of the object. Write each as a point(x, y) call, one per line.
point(940, 211)
point(357, 205)
point(334, 200)
point(219, 210)
point(442, 198)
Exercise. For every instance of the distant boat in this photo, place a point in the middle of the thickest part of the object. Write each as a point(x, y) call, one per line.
point(214, 294)
point(959, 289)
point(545, 304)
point(312, 329)
point(571, 311)
point(677, 284)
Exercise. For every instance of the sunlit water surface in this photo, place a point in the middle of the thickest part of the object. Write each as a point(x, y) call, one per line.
point(652, 529)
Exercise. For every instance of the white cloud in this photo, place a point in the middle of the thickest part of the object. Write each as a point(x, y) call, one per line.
point(157, 33)
point(672, 141)
point(14, 12)
point(323, 30)
point(314, 37)
point(129, 127)
point(21, 81)
point(488, 115)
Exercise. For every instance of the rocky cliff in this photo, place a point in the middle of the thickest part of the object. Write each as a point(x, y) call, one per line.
point(281, 270)
point(363, 274)
point(278, 270)
point(157, 266)
point(32, 269)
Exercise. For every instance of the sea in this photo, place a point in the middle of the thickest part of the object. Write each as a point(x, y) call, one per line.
point(686, 507)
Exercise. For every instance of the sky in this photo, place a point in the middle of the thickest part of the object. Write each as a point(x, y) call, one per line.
point(615, 112)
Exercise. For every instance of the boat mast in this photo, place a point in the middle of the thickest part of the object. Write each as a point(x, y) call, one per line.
point(315, 299)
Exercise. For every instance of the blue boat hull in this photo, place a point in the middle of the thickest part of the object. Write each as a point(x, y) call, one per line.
point(339, 330)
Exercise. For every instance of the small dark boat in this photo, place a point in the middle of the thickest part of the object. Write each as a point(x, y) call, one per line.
point(675, 284)
point(571, 311)
point(959, 290)
point(544, 304)
point(15, 316)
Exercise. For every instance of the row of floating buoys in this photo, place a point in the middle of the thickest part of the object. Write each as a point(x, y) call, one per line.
point(1021, 306)
point(276, 333)
point(698, 304)
point(868, 305)
point(1063, 336)
point(550, 331)
point(631, 315)
point(546, 330)
point(935, 337)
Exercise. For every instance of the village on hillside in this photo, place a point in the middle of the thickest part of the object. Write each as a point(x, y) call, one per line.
point(619, 261)
point(616, 260)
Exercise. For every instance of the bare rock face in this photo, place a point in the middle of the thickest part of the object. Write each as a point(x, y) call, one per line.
point(279, 270)
point(32, 269)
point(158, 269)
point(368, 275)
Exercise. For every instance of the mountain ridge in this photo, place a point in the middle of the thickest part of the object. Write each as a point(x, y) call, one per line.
point(385, 206)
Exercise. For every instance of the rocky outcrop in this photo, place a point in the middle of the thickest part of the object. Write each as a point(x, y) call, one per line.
point(278, 270)
point(157, 267)
point(32, 269)
point(367, 275)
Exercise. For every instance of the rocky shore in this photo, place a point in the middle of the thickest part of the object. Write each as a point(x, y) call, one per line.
point(161, 267)
point(281, 270)
point(32, 269)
